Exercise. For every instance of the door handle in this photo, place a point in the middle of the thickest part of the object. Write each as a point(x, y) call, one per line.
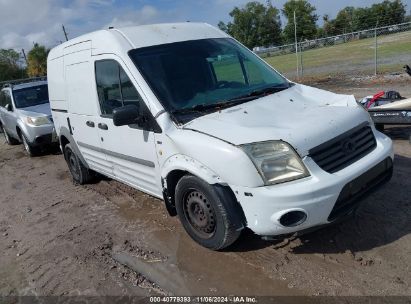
point(90, 124)
point(103, 126)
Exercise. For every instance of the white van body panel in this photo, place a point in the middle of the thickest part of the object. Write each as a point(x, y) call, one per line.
point(256, 121)
point(208, 147)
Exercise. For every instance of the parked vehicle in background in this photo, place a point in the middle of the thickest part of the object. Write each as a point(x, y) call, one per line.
point(187, 114)
point(25, 115)
point(388, 108)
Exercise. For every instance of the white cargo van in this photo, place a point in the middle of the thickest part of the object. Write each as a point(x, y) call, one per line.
point(187, 114)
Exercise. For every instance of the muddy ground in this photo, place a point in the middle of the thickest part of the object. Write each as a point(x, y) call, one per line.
point(58, 238)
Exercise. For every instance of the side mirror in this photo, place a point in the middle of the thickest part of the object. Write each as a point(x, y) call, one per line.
point(8, 107)
point(126, 115)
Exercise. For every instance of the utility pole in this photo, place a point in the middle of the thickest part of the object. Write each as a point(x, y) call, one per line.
point(296, 45)
point(24, 55)
point(64, 31)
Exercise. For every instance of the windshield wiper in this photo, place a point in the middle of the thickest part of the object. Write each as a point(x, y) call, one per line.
point(201, 108)
point(262, 92)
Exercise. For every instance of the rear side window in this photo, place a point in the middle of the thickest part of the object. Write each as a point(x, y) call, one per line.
point(114, 87)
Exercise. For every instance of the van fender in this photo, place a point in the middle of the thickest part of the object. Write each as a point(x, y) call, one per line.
point(174, 168)
point(186, 163)
point(64, 131)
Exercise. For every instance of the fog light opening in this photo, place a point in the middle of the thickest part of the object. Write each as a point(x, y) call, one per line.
point(293, 218)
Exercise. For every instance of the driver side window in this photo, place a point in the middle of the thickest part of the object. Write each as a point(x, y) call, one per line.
point(2, 99)
point(114, 87)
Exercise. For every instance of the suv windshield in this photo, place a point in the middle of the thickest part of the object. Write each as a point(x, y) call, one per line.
point(199, 76)
point(31, 96)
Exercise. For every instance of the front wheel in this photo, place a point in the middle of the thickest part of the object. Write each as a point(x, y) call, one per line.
point(207, 213)
point(31, 151)
point(79, 172)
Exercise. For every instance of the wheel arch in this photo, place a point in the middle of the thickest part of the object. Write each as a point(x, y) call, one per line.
point(180, 165)
point(65, 137)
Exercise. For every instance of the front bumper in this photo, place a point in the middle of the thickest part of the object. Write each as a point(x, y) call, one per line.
point(323, 197)
point(41, 135)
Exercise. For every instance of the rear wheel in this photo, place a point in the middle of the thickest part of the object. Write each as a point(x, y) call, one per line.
point(9, 140)
point(79, 172)
point(204, 213)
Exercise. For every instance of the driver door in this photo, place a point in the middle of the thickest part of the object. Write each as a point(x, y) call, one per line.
point(130, 149)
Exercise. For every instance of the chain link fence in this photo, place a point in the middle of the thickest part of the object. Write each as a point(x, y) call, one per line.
point(368, 52)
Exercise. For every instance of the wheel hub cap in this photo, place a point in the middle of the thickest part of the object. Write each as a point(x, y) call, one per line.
point(200, 214)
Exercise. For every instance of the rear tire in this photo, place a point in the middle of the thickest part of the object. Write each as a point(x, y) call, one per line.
point(9, 140)
point(79, 172)
point(205, 213)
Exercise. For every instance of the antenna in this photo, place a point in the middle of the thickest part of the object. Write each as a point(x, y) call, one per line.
point(64, 31)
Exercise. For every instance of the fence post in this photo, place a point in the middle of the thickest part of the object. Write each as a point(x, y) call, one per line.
point(301, 59)
point(375, 51)
point(296, 45)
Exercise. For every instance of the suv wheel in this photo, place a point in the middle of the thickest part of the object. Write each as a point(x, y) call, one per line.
point(31, 151)
point(9, 140)
point(204, 214)
point(79, 172)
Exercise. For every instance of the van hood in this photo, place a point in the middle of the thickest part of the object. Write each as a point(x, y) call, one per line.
point(303, 116)
point(35, 110)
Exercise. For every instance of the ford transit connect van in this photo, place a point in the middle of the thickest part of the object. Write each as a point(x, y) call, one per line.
point(189, 115)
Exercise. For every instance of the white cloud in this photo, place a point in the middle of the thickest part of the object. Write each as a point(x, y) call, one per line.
point(147, 14)
point(41, 21)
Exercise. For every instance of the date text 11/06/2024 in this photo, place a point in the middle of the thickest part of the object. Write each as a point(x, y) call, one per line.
point(199, 299)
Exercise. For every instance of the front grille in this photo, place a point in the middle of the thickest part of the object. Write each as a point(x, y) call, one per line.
point(345, 149)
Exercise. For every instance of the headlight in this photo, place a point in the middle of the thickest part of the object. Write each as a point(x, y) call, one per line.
point(276, 161)
point(38, 121)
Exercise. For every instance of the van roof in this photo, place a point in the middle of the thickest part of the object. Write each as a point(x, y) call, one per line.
point(115, 40)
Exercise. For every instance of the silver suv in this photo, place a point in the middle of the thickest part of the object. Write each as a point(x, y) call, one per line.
point(25, 115)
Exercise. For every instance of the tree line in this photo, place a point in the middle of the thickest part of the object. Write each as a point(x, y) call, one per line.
point(258, 24)
point(11, 67)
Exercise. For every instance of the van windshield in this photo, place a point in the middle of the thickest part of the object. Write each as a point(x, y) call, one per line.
point(192, 78)
point(31, 96)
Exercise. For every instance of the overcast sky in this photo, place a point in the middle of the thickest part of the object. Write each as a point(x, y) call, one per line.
point(23, 22)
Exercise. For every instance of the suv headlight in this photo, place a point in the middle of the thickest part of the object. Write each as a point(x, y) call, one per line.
point(276, 161)
point(37, 121)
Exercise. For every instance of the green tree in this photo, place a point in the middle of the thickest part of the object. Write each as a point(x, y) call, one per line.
point(388, 12)
point(351, 19)
point(37, 61)
point(306, 20)
point(254, 25)
point(9, 67)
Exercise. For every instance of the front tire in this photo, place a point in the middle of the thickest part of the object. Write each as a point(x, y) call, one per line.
point(31, 151)
point(79, 172)
point(205, 213)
